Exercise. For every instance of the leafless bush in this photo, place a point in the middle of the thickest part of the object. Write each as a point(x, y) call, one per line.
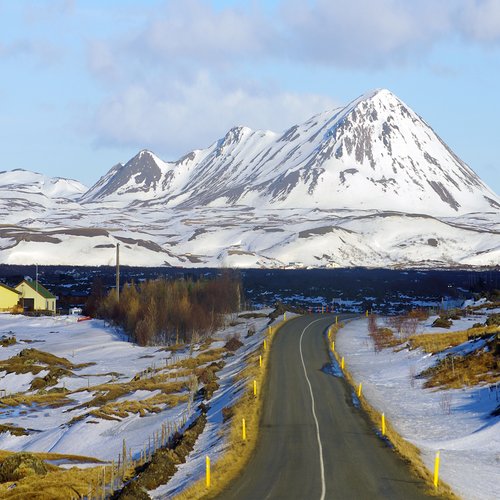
point(445, 402)
point(412, 375)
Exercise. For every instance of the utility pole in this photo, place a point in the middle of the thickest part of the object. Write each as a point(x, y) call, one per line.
point(118, 272)
point(36, 278)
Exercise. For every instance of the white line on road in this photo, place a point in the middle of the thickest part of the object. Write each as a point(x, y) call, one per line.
point(321, 462)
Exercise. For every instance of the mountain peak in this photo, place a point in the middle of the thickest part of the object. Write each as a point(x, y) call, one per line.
point(373, 153)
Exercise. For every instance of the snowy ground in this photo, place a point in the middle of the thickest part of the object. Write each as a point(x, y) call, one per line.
point(457, 422)
point(92, 341)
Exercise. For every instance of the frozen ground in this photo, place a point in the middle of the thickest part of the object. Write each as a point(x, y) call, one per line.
point(456, 422)
point(115, 360)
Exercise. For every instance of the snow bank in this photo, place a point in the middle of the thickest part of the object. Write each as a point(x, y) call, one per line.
point(457, 422)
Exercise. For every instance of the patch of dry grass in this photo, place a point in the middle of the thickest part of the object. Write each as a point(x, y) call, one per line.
point(14, 431)
point(8, 341)
point(56, 484)
point(154, 404)
point(476, 368)
point(437, 342)
point(51, 399)
point(202, 359)
point(35, 361)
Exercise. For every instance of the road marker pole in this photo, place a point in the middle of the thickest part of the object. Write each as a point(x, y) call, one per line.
point(243, 430)
point(284, 316)
point(207, 471)
point(336, 320)
point(260, 361)
point(366, 314)
point(333, 345)
point(383, 424)
point(359, 389)
point(265, 345)
point(342, 363)
point(255, 387)
point(436, 469)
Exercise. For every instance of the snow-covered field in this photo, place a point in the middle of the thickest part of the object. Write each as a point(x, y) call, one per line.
point(116, 361)
point(457, 422)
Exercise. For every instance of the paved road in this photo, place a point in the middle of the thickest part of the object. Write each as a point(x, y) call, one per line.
point(314, 444)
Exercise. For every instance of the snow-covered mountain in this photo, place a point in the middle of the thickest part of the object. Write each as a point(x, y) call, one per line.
point(26, 182)
point(370, 184)
point(26, 195)
point(374, 153)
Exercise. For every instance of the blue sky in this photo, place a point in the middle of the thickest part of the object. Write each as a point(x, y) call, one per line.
point(86, 84)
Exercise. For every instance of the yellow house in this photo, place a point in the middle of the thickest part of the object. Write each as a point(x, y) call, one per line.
point(9, 297)
point(36, 297)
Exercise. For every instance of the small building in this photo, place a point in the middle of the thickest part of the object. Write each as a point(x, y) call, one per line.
point(9, 298)
point(35, 297)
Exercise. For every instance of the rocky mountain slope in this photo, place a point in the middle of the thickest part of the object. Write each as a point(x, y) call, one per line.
point(374, 153)
point(370, 184)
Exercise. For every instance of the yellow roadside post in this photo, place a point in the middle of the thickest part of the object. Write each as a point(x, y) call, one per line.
point(366, 314)
point(255, 387)
point(260, 361)
point(243, 430)
point(284, 316)
point(207, 471)
point(336, 320)
point(333, 345)
point(359, 389)
point(265, 345)
point(342, 363)
point(383, 424)
point(436, 469)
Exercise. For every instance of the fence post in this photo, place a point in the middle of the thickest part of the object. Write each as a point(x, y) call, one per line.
point(436, 469)
point(207, 471)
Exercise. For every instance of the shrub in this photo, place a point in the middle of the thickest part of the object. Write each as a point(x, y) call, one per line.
point(233, 343)
point(7, 341)
point(166, 311)
point(442, 323)
point(132, 491)
point(20, 465)
point(227, 413)
point(251, 331)
point(493, 320)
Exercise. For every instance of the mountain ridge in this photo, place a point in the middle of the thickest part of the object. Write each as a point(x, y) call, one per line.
point(369, 184)
point(376, 142)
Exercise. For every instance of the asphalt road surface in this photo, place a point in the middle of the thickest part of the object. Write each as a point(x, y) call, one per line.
point(313, 443)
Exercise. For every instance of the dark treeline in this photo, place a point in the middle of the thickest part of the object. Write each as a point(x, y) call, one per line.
point(168, 311)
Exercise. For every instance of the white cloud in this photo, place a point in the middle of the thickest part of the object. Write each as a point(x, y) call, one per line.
point(480, 20)
point(41, 51)
point(196, 30)
point(179, 117)
point(180, 81)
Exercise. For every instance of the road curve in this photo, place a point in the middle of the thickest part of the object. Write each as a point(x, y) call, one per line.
point(313, 443)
